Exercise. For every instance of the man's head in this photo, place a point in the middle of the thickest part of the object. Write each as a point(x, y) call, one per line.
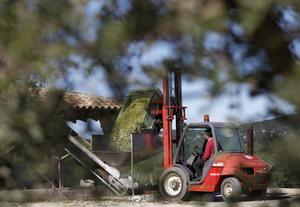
point(207, 133)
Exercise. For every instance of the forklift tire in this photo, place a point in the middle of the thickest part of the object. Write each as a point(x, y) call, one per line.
point(173, 184)
point(231, 189)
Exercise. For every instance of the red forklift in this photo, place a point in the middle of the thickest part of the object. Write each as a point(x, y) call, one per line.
point(229, 172)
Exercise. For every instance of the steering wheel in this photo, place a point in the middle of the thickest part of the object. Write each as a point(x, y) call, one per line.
point(197, 151)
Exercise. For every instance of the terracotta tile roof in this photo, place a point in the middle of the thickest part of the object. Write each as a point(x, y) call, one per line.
point(84, 101)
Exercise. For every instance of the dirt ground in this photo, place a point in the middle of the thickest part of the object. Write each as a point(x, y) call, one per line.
point(281, 202)
point(273, 203)
point(283, 198)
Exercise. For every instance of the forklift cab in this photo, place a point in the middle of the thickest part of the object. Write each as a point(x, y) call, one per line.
point(225, 135)
point(192, 144)
point(192, 147)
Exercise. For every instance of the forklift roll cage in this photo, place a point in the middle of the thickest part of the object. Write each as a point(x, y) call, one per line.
point(180, 145)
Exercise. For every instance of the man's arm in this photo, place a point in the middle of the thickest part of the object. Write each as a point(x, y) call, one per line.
point(208, 149)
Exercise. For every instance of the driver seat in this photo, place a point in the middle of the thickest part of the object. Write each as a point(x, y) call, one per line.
point(207, 165)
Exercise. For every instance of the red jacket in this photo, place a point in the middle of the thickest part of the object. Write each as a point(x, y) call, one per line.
point(209, 149)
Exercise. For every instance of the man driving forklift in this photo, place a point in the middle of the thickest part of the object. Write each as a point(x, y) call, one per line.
point(208, 151)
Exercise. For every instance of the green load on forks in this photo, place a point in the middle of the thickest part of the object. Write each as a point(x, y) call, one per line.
point(133, 117)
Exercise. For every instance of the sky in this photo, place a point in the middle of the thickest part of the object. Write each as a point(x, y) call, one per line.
point(234, 104)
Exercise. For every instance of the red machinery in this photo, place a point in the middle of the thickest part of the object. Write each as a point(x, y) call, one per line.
point(229, 172)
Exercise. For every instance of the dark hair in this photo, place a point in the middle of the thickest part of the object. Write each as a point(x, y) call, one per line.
point(208, 131)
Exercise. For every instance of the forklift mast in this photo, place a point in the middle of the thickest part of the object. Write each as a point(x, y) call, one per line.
point(172, 107)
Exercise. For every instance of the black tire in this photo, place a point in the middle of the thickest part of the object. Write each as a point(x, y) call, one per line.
point(258, 194)
point(173, 184)
point(231, 189)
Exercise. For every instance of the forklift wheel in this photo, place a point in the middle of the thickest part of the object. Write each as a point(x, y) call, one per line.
point(231, 189)
point(173, 184)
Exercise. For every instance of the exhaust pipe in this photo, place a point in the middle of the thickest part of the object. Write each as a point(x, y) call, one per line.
point(250, 141)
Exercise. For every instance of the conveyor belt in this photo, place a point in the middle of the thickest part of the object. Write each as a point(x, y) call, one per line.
point(107, 174)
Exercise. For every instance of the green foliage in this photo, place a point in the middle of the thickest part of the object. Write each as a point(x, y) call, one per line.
point(39, 39)
point(276, 141)
point(149, 170)
point(133, 117)
point(30, 132)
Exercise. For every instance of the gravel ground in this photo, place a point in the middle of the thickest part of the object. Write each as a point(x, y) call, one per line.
point(288, 198)
point(290, 202)
point(273, 203)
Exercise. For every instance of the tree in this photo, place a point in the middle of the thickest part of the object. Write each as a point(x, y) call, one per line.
point(246, 41)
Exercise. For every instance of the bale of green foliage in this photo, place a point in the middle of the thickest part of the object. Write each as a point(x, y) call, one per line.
point(133, 117)
point(148, 171)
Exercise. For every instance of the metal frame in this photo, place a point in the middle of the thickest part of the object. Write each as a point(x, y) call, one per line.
point(115, 185)
point(112, 180)
point(204, 124)
point(169, 110)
